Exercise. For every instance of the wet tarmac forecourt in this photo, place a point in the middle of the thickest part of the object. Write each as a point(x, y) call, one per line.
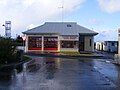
point(48, 73)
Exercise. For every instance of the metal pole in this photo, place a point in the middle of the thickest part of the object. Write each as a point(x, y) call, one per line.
point(23, 46)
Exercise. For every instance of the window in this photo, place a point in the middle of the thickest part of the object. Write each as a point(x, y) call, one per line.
point(34, 42)
point(90, 42)
point(113, 44)
point(69, 44)
point(50, 42)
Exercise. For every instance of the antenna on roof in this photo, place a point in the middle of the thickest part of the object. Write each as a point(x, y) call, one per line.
point(92, 28)
point(62, 7)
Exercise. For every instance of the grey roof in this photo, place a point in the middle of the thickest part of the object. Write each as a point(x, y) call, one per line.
point(62, 28)
point(111, 41)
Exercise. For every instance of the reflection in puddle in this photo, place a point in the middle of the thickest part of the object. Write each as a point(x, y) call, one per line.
point(5, 76)
point(49, 60)
point(33, 67)
point(50, 71)
point(51, 67)
point(9, 72)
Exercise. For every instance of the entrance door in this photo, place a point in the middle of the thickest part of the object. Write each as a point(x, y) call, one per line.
point(81, 42)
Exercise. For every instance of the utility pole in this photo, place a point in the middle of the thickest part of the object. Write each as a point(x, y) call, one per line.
point(62, 7)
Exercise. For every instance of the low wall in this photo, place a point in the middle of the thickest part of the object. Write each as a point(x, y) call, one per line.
point(69, 49)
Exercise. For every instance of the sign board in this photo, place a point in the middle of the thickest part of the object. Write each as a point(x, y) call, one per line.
point(69, 38)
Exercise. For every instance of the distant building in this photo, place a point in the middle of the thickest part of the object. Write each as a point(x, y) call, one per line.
point(7, 26)
point(109, 46)
point(59, 36)
point(99, 46)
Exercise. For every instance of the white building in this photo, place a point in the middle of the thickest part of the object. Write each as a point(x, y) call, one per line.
point(109, 46)
point(59, 36)
point(99, 46)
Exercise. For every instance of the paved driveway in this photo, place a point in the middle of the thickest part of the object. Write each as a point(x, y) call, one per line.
point(106, 55)
point(48, 73)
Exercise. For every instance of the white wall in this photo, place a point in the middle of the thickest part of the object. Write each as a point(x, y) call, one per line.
point(69, 49)
point(99, 46)
point(119, 46)
point(87, 43)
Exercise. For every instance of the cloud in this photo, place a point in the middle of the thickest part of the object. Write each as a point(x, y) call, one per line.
point(107, 35)
point(22, 13)
point(30, 26)
point(109, 6)
point(95, 22)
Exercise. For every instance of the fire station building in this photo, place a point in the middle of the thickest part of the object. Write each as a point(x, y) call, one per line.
point(59, 36)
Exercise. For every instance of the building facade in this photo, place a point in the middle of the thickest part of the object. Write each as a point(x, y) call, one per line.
point(109, 46)
point(118, 56)
point(59, 36)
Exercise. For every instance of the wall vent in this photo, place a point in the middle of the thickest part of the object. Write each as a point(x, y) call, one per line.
point(68, 25)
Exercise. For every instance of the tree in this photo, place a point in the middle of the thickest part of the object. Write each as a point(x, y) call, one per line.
point(7, 50)
point(19, 41)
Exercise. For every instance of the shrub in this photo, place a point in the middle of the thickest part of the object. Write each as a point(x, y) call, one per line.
point(7, 50)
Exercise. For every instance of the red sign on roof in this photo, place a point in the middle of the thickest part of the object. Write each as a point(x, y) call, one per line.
point(24, 37)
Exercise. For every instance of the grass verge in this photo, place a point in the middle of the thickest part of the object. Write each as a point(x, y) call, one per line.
point(25, 58)
point(75, 54)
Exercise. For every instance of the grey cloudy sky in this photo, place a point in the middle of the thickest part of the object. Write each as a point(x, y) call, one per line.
point(101, 15)
point(27, 13)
